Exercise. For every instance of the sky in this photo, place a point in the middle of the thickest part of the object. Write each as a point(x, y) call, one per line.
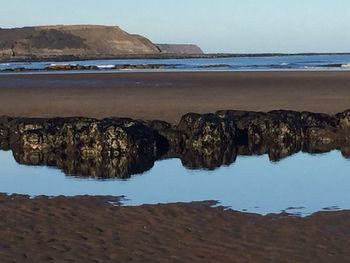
point(237, 26)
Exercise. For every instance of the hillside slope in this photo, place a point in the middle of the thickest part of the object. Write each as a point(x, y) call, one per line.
point(81, 41)
point(66, 42)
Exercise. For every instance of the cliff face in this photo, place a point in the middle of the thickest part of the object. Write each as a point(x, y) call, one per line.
point(79, 41)
point(180, 49)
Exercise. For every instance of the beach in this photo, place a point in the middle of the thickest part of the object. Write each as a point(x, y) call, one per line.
point(91, 229)
point(161, 131)
point(168, 96)
point(98, 229)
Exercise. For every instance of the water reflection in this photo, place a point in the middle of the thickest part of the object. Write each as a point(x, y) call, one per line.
point(257, 162)
point(121, 147)
point(300, 184)
point(75, 165)
point(125, 166)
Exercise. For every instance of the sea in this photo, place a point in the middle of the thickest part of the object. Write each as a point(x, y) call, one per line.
point(235, 63)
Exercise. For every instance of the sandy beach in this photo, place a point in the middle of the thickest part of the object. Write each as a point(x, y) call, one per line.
point(89, 229)
point(167, 96)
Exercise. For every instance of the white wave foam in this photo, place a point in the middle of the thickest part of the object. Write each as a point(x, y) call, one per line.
point(105, 66)
point(62, 64)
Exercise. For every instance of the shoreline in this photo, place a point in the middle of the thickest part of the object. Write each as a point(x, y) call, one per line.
point(132, 71)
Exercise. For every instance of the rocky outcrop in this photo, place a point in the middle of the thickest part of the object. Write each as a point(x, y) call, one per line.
point(78, 67)
point(208, 140)
point(343, 119)
point(117, 147)
point(109, 148)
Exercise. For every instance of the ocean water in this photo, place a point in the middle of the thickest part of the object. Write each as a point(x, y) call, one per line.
point(300, 184)
point(247, 63)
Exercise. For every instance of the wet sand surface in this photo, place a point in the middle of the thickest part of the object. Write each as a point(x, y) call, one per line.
point(167, 96)
point(89, 229)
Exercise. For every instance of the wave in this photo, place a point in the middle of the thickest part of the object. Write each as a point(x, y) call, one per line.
point(105, 66)
point(62, 64)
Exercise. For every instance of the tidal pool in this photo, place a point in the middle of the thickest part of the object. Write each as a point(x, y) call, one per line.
point(300, 184)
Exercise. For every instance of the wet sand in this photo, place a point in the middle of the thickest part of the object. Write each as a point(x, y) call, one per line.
point(89, 229)
point(167, 96)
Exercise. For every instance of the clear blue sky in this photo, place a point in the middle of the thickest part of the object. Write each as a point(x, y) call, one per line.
point(217, 26)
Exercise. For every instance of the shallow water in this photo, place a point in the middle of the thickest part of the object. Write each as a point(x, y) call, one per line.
point(301, 184)
point(295, 62)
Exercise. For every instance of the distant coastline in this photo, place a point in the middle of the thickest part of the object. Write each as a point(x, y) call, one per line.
point(97, 42)
point(163, 56)
point(72, 42)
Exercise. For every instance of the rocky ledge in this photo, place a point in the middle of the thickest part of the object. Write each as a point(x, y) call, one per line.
point(78, 67)
point(120, 147)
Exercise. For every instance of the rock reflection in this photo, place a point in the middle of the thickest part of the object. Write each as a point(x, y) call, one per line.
point(124, 167)
point(102, 168)
point(209, 159)
point(120, 148)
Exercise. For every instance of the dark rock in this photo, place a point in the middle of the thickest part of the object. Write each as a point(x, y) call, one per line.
point(169, 139)
point(4, 127)
point(65, 67)
point(275, 126)
point(344, 119)
point(141, 66)
point(4, 133)
point(208, 140)
point(119, 147)
point(207, 131)
point(317, 120)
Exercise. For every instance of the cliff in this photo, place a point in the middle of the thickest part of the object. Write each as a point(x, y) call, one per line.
point(74, 42)
point(180, 49)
